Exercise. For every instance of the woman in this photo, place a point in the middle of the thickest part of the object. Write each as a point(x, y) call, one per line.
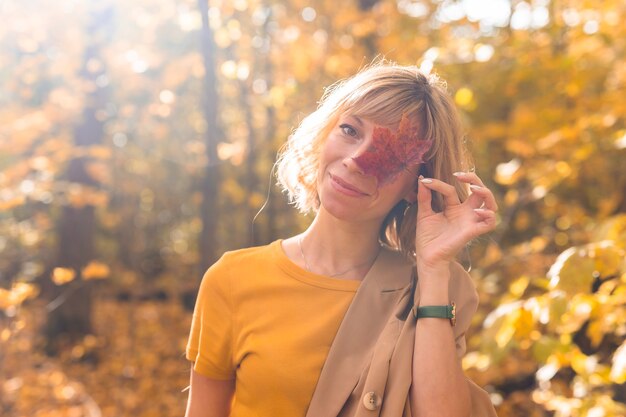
point(267, 317)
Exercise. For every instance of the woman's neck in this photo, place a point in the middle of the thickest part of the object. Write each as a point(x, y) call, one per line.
point(338, 248)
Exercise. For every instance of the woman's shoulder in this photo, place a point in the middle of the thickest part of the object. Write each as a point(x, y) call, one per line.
point(250, 252)
point(248, 257)
point(238, 263)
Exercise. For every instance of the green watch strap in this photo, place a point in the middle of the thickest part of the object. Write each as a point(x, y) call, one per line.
point(443, 312)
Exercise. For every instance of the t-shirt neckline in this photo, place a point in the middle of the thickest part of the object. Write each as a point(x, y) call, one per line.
point(308, 277)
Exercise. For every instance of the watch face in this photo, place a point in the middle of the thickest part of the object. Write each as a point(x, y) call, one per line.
point(453, 318)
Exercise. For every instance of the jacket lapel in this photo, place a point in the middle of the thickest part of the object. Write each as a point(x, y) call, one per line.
point(353, 345)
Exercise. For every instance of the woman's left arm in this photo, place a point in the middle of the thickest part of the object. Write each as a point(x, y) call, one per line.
point(439, 385)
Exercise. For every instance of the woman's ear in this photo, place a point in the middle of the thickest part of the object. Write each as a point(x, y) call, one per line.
point(411, 196)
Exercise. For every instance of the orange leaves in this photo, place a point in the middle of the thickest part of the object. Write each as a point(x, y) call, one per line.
point(19, 292)
point(62, 276)
point(78, 195)
point(93, 271)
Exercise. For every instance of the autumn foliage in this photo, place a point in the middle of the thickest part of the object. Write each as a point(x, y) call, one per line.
point(540, 86)
point(393, 152)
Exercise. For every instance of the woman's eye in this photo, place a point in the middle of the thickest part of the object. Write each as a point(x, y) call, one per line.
point(348, 130)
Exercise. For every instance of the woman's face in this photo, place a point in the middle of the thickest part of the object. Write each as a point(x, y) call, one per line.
point(344, 190)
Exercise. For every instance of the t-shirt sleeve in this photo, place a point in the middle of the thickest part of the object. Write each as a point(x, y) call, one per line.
point(210, 344)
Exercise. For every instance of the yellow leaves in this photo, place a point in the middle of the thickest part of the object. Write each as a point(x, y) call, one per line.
point(547, 371)
point(99, 171)
point(476, 360)
point(620, 141)
point(578, 311)
point(596, 332)
point(508, 173)
point(613, 229)
point(5, 334)
point(517, 287)
point(62, 276)
point(550, 140)
point(589, 367)
point(512, 321)
point(507, 329)
point(78, 196)
point(520, 147)
point(523, 115)
point(12, 201)
point(618, 369)
point(493, 130)
point(235, 152)
point(524, 326)
point(235, 192)
point(363, 27)
point(95, 270)
point(544, 347)
point(575, 268)
point(582, 363)
point(464, 97)
point(19, 292)
point(99, 152)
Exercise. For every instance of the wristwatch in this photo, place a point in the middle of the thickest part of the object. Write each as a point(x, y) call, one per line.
point(442, 312)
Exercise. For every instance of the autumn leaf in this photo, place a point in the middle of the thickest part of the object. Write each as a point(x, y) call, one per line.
point(390, 153)
point(95, 270)
point(19, 292)
point(62, 276)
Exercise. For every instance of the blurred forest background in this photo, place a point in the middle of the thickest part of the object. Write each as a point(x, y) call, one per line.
point(136, 146)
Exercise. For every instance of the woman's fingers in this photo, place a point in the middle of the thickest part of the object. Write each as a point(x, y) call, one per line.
point(487, 219)
point(469, 177)
point(481, 196)
point(424, 199)
point(448, 191)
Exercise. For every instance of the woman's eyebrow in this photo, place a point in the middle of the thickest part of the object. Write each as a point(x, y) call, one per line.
point(358, 119)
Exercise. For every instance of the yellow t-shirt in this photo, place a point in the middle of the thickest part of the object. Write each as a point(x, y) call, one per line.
point(265, 321)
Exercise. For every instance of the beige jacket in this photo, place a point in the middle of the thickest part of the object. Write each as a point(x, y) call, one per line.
point(368, 369)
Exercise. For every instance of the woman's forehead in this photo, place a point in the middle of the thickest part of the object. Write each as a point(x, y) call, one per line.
point(363, 118)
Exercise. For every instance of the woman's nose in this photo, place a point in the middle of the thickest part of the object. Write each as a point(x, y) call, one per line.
point(350, 160)
point(352, 165)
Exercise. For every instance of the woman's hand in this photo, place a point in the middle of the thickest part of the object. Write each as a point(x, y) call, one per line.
point(440, 236)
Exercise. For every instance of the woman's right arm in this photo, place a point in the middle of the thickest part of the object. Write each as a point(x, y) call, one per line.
point(209, 397)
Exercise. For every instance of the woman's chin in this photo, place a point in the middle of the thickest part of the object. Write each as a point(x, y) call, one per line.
point(342, 210)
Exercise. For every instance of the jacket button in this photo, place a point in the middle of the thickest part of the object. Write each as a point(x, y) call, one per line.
point(371, 401)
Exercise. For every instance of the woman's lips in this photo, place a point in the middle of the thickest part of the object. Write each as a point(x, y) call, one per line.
point(345, 187)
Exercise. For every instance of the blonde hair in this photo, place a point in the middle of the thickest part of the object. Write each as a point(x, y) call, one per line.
point(381, 93)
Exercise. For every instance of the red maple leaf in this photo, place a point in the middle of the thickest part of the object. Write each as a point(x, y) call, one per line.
point(390, 153)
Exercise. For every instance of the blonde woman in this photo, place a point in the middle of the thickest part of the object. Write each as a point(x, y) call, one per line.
point(354, 316)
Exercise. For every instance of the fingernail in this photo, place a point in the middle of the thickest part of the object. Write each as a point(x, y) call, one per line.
point(420, 177)
point(426, 180)
point(480, 210)
point(475, 187)
point(458, 174)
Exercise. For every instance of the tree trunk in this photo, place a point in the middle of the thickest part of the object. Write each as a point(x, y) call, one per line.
point(369, 41)
point(252, 183)
point(210, 183)
point(71, 306)
point(271, 232)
